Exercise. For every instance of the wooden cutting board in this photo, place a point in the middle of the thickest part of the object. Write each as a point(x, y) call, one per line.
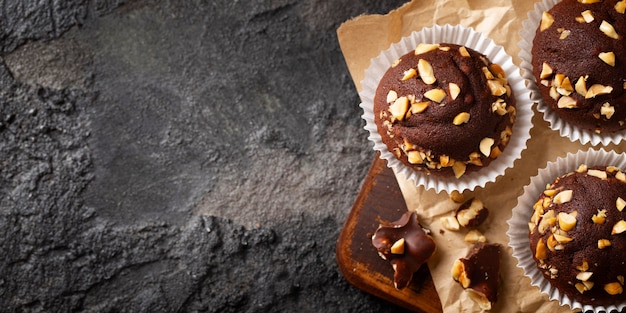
point(380, 199)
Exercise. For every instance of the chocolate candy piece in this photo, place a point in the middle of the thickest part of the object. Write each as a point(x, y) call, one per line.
point(479, 273)
point(472, 213)
point(406, 245)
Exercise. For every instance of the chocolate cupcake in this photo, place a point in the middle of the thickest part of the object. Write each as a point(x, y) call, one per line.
point(574, 53)
point(568, 231)
point(453, 116)
point(445, 109)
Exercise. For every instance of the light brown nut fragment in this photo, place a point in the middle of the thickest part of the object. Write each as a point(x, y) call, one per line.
point(547, 221)
point(562, 239)
point(457, 197)
point(583, 267)
point(472, 213)
point(607, 110)
point(458, 273)
point(581, 86)
point(463, 51)
point(436, 95)
point(607, 57)
point(587, 16)
point(564, 196)
point(599, 218)
point(589, 1)
point(454, 90)
point(392, 96)
point(621, 176)
point(546, 21)
point(608, 30)
point(485, 146)
point(541, 253)
point(408, 74)
point(603, 243)
point(567, 221)
point(584, 276)
point(619, 227)
point(459, 169)
point(597, 173)
point(564, 34)
point(414, 157)
point(620, 7)
point(567, 103)
point(614, 288)
point(419, 107)
point(596, 90)
point(620, 204)
point(496, 87)
point(461, 118)
point(474, 236)
point(450, 223)
point(546, 71)
point(425, 47)
point(398, 247)
point(426, 72)
point(399, 107)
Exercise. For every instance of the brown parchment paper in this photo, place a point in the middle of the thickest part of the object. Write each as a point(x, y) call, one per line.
point(363, 38)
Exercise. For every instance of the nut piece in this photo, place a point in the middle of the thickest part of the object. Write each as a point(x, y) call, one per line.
point(581, 86)
point(584, 276)
point(474, 236)
point(597, 173)
point(485, 146)
point(587, 16)
point(426, 72)
point(461, 118)
point(450, 223)
point(607, 110)
point(459, 169)
point(458, 273)
point(596, 90)
point(541, 253)
point(546, 71)
point(604, 243)
point(399, 107)
point(479, 273)
point(620, 7)
point(455, 90)
point(435, 95)
point(425, 47)
point(472, 213)
point(408, 74)
point(414, 157)
point(614, 288)
point(463, 51)
point(564, 196)
point(419, 107)
point(546, 21)
point(457, 197)
point(567, 221)
point(620, 204)
point(608, 30)
point(566, 103)
point(607, 57)
point(392, 96)
point(618, 228)
point(398, 247)
point(599, 218)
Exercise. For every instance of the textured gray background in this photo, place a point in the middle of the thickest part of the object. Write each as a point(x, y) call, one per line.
point(177, 156)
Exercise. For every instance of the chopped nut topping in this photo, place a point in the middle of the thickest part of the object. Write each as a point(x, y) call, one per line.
point(567, 222)
point(446, 161)
point(414, 157)
point(564, 34)
point(395, 62)
point(540, 252)
point(587, 16)
point(566, 102)
point(547, 220)
point(620, 7)
point(444, 48)
point(620, 204)
point(599, 218)
point(499, 107)
point(621, 177)
point(562, 238)
point(552, 243)
point(564, 196)
point(608, 30)
point(614, 288)
point(581, 86)
point(425, 47)
point(584, 276)
point(619, 228)
point(459, 169)
point(419, 107)
point(583, 267)
point(398, 247)
point(485, 146)
point(603, 243)
point(546, 21)
point(461, 118)
point(497, 70)
point(546, 71)
point(454, 90)
point(392, 96)
point(457, 197)
point(597, 173)
point(408, 74)
point(607, 110)
point(459, 274)
point(436, 95)
point(463, 51)
point(426, 72)
point(589, 1)
point(399, 107)
point(607, 57)
point(496, 87)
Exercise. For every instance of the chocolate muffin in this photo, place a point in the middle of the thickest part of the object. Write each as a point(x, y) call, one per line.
point(577, 234)
point(444, 109)
point(579, 62)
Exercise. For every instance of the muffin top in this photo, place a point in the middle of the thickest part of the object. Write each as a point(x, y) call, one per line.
point(577, 234)
point(578, 59)
point(444, 109)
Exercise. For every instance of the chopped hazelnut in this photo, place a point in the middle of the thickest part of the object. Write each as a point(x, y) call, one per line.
point(472, 213)
point(450, 223)
point(567, 103)
point(414, 157)
point(485, 146)
point(541, 252)
point(603, 243)
point(463, 51)
point(546, 21)
point(597, 173)
point(614, 288)
point(399, 107)
point(435, 95)
point(459, 169)
point(474, 236)
point(425, 47)
point(426, 72)
point(398, 247)
point(619, 227)
point(620, 203)
point(607, 57)
point(564, 196)
point(461, 118)
point(596, 90)
point(608, 30)
point(392, 96)
point(567, 222)
point(408, 74)
point(620, 7)
point(419, 107)
point(546, 71)
point(581, 86)
point(584, 276)
point(454, 90)
point(457, 197)
point(600, 217)
point(607, 110)
point(587, 15)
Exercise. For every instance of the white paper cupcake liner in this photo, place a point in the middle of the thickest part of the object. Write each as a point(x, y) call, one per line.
point(564, 128)
point(518, 223)
point(471, 39)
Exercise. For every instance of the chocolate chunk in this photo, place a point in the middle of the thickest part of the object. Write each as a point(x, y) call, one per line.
point(479, 273)
point(406, 245)
point(472, 213)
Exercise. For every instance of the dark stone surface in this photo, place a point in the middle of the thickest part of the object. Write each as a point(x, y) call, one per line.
point(181, 156)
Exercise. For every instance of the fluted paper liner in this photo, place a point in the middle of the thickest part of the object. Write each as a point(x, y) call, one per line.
point(496, 54)
point(567, 130)
point(518, 224)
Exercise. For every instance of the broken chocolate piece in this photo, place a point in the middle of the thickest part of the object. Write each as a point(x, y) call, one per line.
point(417, 247)
point(472, 213)
point(479, 273)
